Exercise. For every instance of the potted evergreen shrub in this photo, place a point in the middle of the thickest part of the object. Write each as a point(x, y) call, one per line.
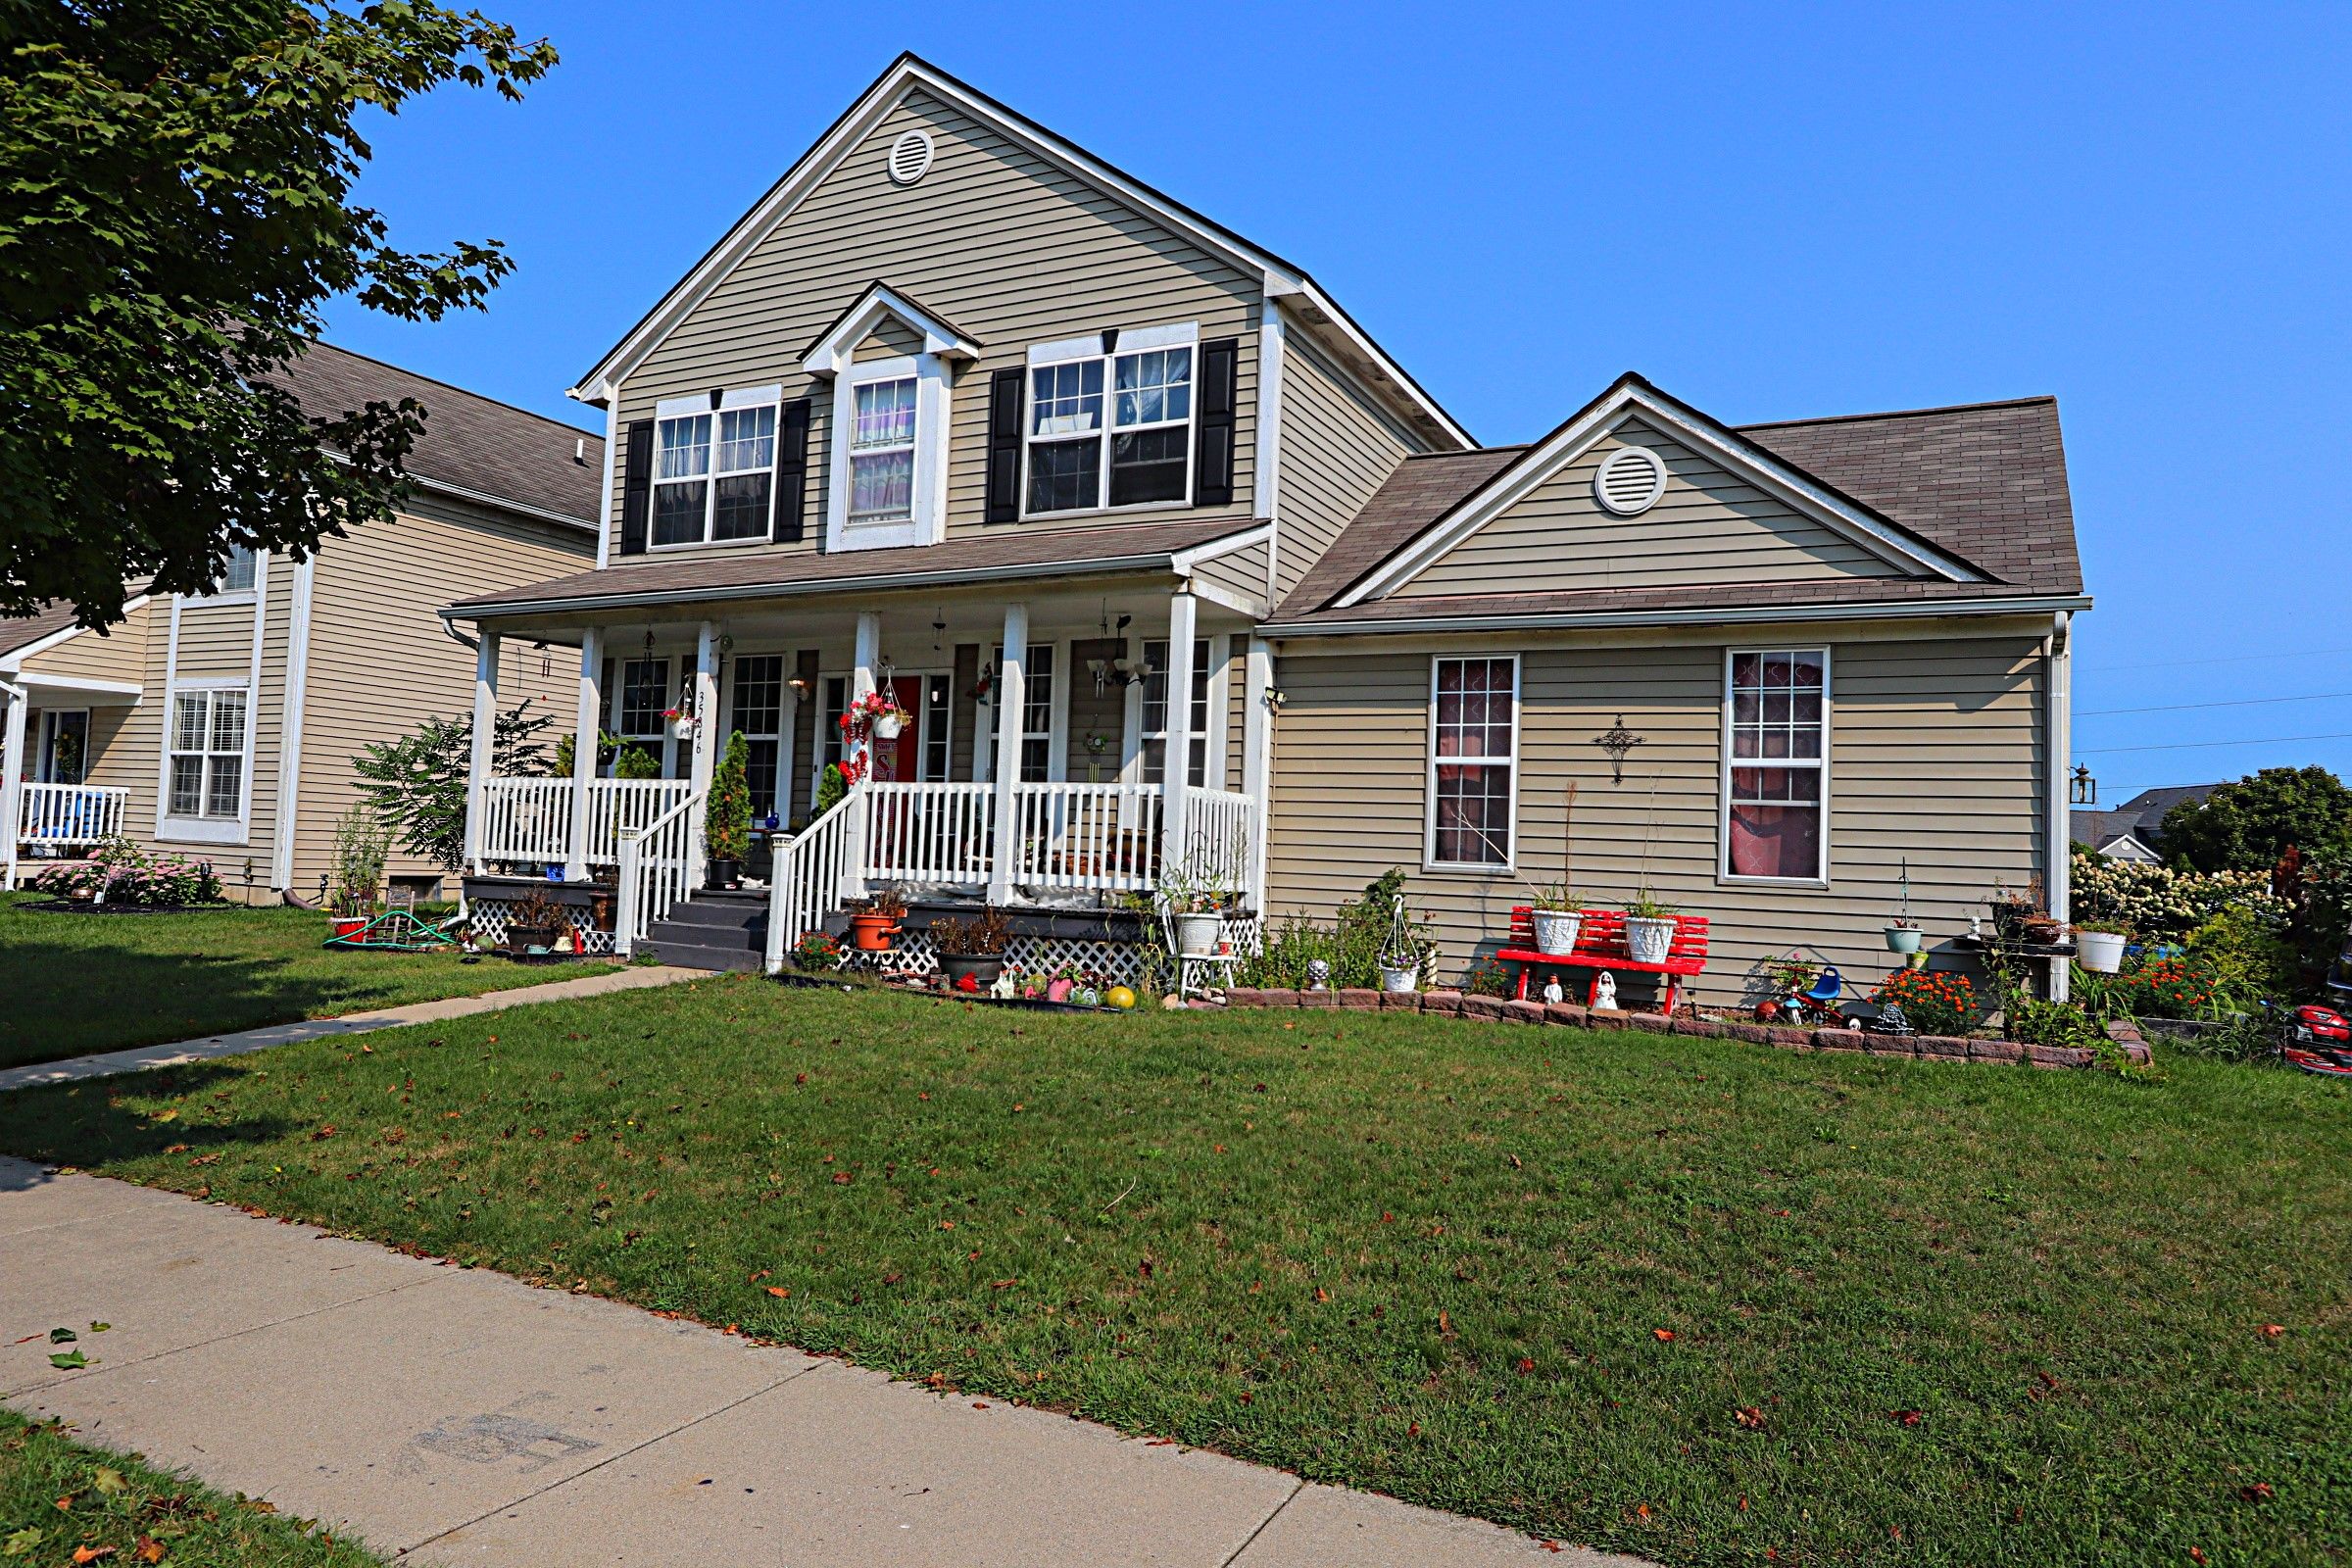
point(727, 814)
point(1649, 929)
point(1559, 917)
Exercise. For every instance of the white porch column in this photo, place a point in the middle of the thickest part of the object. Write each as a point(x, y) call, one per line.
point(1012, 695)
point(1257, 756)
point(2058, 885)
point(702, 761)
point(1176, 774)
point(865, 659)
point(485, 735)
point(12, 779)
point(588, 727)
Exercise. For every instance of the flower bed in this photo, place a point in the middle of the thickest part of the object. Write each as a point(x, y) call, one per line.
point(121, 875)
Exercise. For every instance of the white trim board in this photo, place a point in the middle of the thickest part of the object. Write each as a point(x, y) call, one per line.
point(908, 73)
point(837, 350)
point(1630, 398)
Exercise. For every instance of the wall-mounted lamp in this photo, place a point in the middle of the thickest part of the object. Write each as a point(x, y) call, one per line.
point(801, 685)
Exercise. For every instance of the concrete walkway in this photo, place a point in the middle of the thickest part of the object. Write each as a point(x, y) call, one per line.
point(139, 1058)
point(463, 1417)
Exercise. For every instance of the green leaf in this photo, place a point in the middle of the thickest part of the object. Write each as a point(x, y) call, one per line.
point(108, 1480)
point(21, 1543)
point(63, 1335)
point(67, 1360)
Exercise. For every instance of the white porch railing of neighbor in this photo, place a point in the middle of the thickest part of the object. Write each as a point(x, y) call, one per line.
point(928, 832)
point(1220, 840)
point(530, 818)
point(70, 815)
point(805, 889)
point(1100, 837)
point(657, 872)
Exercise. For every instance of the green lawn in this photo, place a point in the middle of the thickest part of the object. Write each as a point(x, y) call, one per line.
point(57, 1496)
point(1692, 1298)
point(75, 983)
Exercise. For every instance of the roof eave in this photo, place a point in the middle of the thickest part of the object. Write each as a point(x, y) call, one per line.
point(1751, 614)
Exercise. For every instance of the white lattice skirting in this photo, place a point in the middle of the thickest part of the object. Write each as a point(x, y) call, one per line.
point(490, 917)
point(1114, 963)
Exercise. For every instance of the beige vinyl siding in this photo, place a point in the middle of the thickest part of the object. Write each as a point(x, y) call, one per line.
point(1241, 574)
point(1338, 447)
point(119, 653)
point(216, 639)
point(1010, 249)
point(892, 339)
point(1935, 758)
point(380, 662)
point(1708, 527)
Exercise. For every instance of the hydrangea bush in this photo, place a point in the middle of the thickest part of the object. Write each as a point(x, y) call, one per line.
point(119, 871)
point(2162, 905)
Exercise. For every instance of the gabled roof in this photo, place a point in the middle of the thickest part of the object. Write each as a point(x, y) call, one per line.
point(1315, 310)
point(1982, 485)
point(473, 445)
point(835, 346)
point(24, 631)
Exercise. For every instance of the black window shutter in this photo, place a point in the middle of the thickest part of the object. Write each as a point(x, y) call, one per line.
point(1212, 436)
point(636, 486)
point(1005, 445)
point(792, 473)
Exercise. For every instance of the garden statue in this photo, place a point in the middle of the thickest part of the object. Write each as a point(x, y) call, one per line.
point(1001, 989)
point(1552, 991)
point(1604, 991)
point(1319, 974)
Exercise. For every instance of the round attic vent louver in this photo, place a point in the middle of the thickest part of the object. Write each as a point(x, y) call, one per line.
point(910, 157)
point(1630, 482)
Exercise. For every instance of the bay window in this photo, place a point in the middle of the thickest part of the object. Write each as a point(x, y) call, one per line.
point(714, 469)
point(1109, 422)
point(1776, 764)
point(1473, 762)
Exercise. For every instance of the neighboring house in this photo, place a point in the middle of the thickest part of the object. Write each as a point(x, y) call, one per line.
point(222, 727)
point(2135, 830)
point(1171, 566)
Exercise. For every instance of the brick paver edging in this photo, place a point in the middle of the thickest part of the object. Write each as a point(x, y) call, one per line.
point(1496, 1009)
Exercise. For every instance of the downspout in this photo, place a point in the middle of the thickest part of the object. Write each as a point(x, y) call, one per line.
point(2056, 879)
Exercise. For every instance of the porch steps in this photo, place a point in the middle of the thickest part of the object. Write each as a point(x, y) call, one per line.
point(714, 929)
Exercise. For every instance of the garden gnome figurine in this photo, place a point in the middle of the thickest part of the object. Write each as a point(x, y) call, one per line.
point(1552, 991)
point(1604, 992)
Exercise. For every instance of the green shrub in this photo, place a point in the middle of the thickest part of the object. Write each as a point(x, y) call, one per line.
point(727, 813)
point(830, 788)
point(1935, 1002)
point(635, 761)
point(1351, 943)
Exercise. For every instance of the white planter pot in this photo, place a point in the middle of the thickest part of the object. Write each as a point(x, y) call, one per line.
point(1556, 929)
point(685, 730)
point(886, 726)
point(1648, 941)
point(2100, 951)
point(1904, 938)
point(1196, 934)
point(1400, 982)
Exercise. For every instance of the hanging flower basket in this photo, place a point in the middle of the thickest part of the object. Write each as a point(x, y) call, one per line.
point(681, 721)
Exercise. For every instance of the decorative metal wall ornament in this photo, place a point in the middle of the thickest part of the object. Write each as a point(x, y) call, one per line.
point(1617, 740)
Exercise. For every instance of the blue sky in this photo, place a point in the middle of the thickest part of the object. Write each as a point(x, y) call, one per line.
point(1772, 212)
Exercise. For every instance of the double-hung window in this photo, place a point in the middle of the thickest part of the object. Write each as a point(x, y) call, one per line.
point(1776, 764)
point(1037, 713)
point(644, 697)
point(207, 756)
point(1473, 758)
point(1155, 727)
point(758, 715)
point(1109, 429)
point(882, 452)
point(715, 474)
point(238, 576)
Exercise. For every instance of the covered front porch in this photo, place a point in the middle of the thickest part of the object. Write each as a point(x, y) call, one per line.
point(1031, 767)
point(50, 739)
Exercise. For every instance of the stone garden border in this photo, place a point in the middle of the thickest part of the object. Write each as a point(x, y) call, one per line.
point(1496, 1009)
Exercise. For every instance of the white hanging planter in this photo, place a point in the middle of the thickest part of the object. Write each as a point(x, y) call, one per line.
point(1400, 981)
point(684, 727)
point(887, 726)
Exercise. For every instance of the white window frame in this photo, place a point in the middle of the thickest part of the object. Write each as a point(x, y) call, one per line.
point(1203, 709)
point(1080, 350)
point(927, 520)
point(824, 730)
point(201, 828)
point(222, 593)
point(1723, 804)
point(733, 722)
point(667, 736)
point(53, 719)
point(1509, 864)
point(1055, 734)
point(670, 410)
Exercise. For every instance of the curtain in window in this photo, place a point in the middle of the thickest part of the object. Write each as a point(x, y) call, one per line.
point(1777, 705)
point(1472, 766)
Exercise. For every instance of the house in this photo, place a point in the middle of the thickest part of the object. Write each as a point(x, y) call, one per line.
point(2135, 830)
point(222, 727)
point(1176, 573)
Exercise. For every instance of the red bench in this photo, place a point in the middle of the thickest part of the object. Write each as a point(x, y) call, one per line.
point(1600, 945)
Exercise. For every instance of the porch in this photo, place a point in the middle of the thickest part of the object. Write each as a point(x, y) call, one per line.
point(1030, 770)
point(49, 741)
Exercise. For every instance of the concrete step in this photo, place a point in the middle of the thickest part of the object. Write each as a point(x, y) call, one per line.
point(696, 955)
point(708, 914)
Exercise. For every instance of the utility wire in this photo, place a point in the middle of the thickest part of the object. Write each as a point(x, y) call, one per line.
point(2180, 708)
point(2232, 659)
point(2194, 746)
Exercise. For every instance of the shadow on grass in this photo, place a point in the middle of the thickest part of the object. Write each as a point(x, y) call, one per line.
point(88, 1126)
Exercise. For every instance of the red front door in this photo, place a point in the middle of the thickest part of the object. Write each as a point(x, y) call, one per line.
point(894, 760)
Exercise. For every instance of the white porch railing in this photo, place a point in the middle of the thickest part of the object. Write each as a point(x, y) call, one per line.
point(805, 887)
point(657, 872)
point(75, 816)
point(530, 818)
point(1220, 839)
point(928, 832)
point(1102, 837)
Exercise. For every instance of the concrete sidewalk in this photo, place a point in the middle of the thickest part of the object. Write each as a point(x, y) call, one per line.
point(464, 1417)
point(141, 1057)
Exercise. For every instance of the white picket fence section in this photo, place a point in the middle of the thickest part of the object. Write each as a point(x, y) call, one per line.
point(809, 875)
point(70, 814)
point(657, 871)
point(530, 818)
point(1220, 839)
point(1102, 837)
point(928, 832)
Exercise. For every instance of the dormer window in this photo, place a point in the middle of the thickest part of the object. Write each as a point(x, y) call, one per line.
point(1111, 422)
point(889, 421)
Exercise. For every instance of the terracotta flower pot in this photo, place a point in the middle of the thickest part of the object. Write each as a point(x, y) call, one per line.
point(870, 932)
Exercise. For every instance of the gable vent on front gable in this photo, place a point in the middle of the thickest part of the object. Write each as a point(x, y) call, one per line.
point(1630, 482)
point(910, 157)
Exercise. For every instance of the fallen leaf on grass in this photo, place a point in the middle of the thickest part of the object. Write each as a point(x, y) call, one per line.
point(1527, 1364)
point(1908, 1418)
point(1750, 1417)
point(21, 1541)
point(150, 1550)
point(2271, 1331)
point(779, 1292)
point(83, 1554)
point(1662, 1336)
point(2258, 1491)
point(107, 1480)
